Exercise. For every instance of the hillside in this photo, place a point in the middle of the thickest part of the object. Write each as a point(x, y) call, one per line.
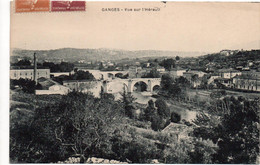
point(239, 58)
point(73, 54)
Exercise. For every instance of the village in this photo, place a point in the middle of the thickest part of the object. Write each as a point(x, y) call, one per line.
point(162, 101)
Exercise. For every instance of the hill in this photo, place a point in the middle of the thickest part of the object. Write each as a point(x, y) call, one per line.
point(73, 54)
point(237, 58)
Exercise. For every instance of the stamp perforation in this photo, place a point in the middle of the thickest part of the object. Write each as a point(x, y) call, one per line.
point(14, 7)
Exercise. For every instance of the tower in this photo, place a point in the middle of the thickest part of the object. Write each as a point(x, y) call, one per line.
point(35, 68)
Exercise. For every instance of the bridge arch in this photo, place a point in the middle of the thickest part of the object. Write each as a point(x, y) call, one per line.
point(156, 88)
point(140, 86)
point(110, 75)
point(116, 87)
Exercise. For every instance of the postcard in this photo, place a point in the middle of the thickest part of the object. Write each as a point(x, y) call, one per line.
point(134, 82)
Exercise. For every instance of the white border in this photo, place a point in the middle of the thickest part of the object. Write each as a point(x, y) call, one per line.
point(4, 80)
point(4, 70)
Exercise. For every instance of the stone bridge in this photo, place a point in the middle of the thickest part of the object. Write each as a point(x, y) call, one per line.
point(129, 85)
point(105, 75)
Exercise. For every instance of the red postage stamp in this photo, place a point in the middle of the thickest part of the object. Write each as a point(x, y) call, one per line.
point(32, 5)
point(68, 6)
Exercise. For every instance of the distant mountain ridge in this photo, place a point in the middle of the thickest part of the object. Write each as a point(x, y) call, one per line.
point(75, 54)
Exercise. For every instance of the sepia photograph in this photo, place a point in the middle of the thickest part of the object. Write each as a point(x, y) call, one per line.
point(134, 82)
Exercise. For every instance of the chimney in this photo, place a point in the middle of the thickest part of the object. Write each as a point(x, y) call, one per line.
point(35, 68)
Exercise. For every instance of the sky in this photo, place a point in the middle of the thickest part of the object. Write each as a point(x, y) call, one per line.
point(205, 27)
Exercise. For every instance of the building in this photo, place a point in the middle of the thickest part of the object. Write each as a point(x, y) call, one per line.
point(84, 86)
point(191, 77)
point(190, 73)
point(29, 73)
point(228, 73)
point(160, 69)
point(248, 80)
point(246, 83)
point(57, 74)
point(177, 72)
point(50, 87)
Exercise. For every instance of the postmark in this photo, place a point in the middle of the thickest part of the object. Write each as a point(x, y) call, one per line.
point(68, 5)
point(32, 5)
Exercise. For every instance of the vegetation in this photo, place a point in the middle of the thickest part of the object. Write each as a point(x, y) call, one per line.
point(78, 125)
point(62, 67)
point(152, 74)
point(175, 88)
point(78, 75)
point(238, 58)
point(234, 128)
point(168, 64)
point(23, 62)
point(27, 85)
point(127, 100)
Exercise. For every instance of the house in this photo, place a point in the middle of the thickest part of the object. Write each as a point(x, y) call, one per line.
point(246, 83)
point(194, 76)
point(227, 82)
point(177, 72)
point(180, 131)
point(57, 74)
point(228, 73)
point(160, 69)
point(190, 73)
point(28, 73)
point(50, 87)
point(84, 86)
point(248, 80)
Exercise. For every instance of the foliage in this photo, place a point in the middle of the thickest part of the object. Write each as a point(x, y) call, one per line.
point(78, 75)
point(159, 123)
point(23, 62)
point(127, 100)
point(127, 146)
point(175, 88)
point(150, 111)
point(152, 74)
point(77, 125)
point(236, 133)
point(175, 117)
point(202, 152)
point(62, 67)
point(168, 64)
point(162, 108)
point(239, 58)
point(27, 85)
point(218, 94)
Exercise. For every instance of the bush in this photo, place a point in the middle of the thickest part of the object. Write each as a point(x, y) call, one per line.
point(175, 117)
point(27, 85)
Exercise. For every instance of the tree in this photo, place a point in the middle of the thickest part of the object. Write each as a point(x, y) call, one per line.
point(127, 100)
point(150, 111)
point(101, 67)
point(82, 75)
point(168, 64)
point(23, 62)
point(162, 108)
point(177, 58)
point(78, 125)
point(235, 131)
point(170, 86)
point(157, 123)
point(175, 117)
point(62, 67)
point(166, 82)
point(194, 80)
point(152, 74)
point(27, 85)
